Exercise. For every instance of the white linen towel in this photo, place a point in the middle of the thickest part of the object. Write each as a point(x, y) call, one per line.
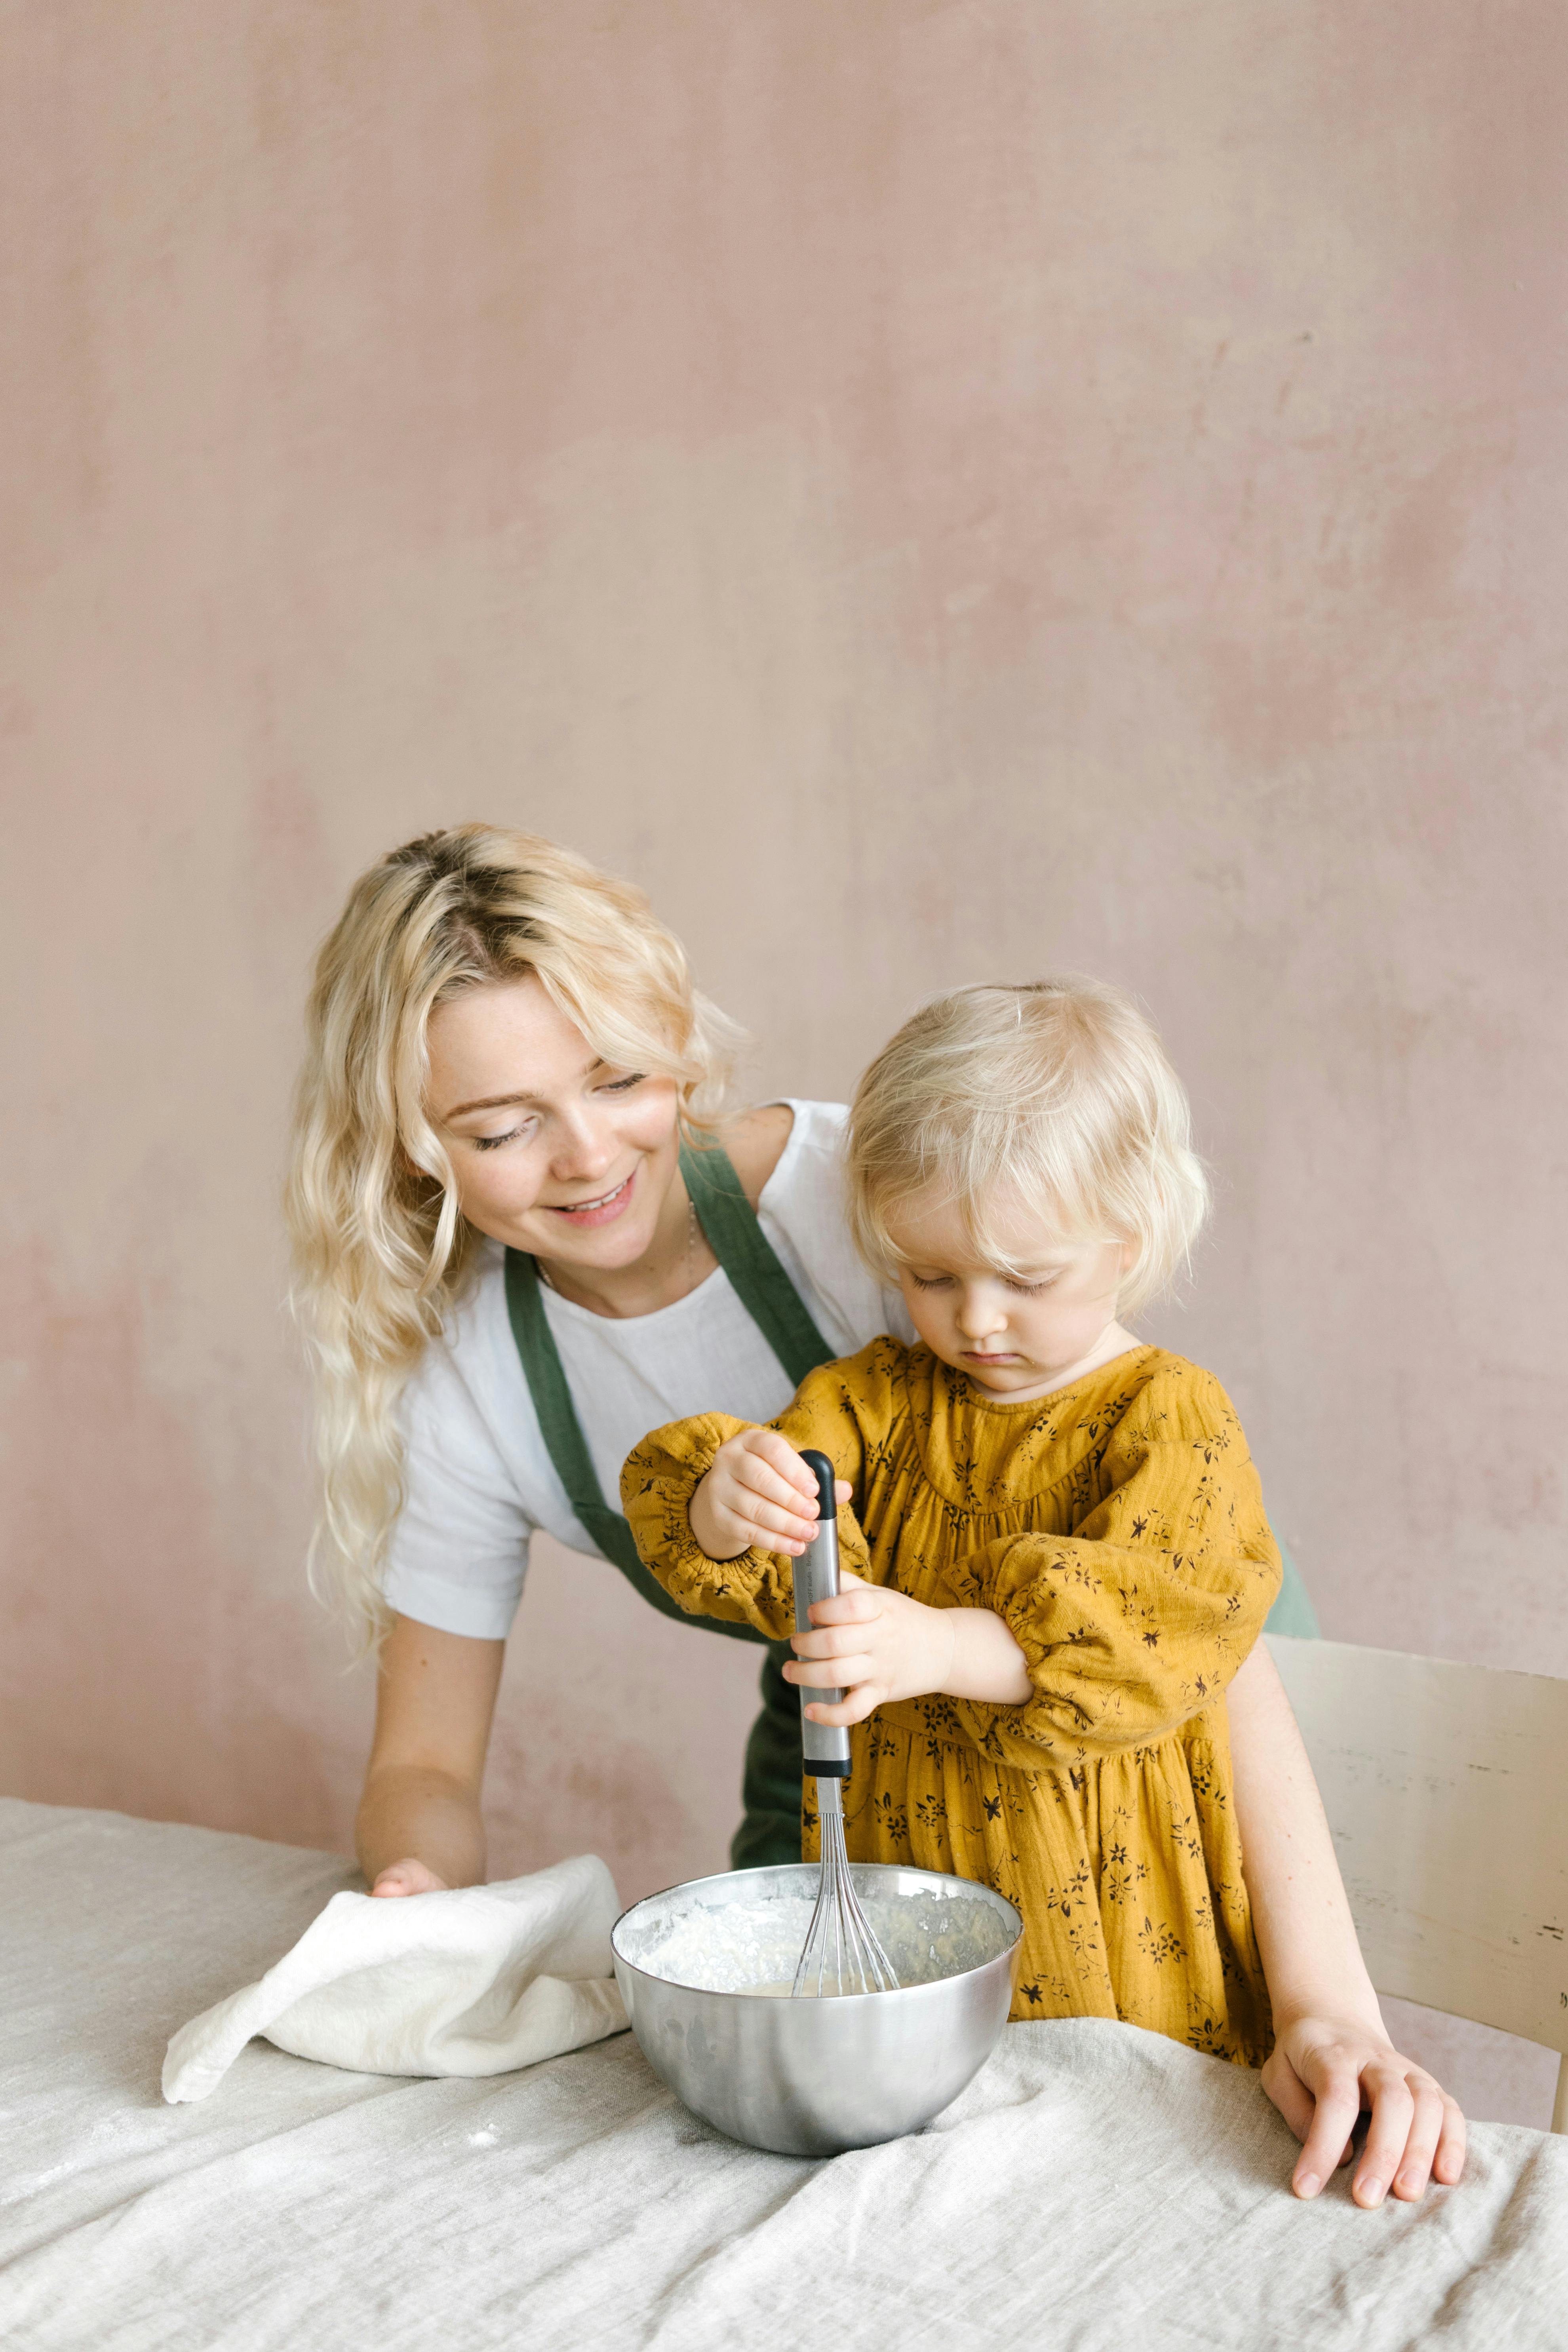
point(476, 1982)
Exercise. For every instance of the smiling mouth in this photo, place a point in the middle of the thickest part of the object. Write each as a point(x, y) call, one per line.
point(590, 1208)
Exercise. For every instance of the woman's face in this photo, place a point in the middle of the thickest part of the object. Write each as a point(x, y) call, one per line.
point(555, 1153)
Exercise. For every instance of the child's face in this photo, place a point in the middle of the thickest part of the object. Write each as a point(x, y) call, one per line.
point(1016, 1335)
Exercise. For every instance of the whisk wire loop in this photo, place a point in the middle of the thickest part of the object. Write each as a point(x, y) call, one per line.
point(841, 1953)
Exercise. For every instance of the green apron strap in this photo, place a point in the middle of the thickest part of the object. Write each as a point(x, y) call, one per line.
point(568, 1449)
point(763, 1289)
point(770, 1831)
point(756, 1276)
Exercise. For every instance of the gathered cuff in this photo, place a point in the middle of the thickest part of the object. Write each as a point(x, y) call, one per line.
point(660, 1476)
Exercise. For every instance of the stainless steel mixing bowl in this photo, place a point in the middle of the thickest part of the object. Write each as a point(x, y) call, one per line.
point(816, 2077)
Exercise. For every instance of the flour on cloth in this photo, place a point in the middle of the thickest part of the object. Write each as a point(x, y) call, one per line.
point(476, 1982)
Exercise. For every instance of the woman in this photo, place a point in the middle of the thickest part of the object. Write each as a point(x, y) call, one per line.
point(525, 1238)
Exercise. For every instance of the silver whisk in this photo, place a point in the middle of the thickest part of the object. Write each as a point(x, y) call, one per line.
point(841, 1954)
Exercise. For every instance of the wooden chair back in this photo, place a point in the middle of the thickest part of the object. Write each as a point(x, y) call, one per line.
point(1446, 1791)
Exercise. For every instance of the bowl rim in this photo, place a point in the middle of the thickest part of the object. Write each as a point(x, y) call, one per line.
point(913, 1869)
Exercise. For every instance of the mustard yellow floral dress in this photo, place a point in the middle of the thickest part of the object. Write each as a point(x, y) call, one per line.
point(1119, 1529)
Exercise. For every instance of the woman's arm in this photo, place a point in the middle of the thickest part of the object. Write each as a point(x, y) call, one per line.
point(1305, 1931)
point(1331, 2052)
point(418, 1828)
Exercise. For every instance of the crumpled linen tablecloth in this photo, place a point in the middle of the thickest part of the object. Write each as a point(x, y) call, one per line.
point(1095, 2188)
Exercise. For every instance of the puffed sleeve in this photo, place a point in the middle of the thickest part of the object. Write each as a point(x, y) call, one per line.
point(1140, 1618)
point(840, 1410)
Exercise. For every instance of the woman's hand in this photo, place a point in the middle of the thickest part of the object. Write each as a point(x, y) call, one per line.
point(758, 1493)
point(1324, 2072)
point(1332, 2057)
point(873, 1643)
point(409, 1877)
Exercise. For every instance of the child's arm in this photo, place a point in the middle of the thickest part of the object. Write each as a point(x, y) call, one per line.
point(1139, 1618)
point(1332, 2054)
point(719, 1506)
point(1077, 1645)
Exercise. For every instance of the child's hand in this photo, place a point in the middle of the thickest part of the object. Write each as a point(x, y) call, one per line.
point(873, 1644)
point(759, 1492)
point(1324, 2072)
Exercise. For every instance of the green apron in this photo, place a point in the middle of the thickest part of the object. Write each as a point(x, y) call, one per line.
point(770, 1785)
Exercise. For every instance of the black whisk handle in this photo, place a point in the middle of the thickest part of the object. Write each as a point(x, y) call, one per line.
point(826, 1746)
point(827, 1478)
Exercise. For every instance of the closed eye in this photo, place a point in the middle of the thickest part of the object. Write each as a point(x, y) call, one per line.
point(1008, 1282)
point(494, 1142)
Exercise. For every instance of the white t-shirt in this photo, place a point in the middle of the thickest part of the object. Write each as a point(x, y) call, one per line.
point(478, 1479)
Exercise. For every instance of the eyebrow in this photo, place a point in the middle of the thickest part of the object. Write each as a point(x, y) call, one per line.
point(503, 1102)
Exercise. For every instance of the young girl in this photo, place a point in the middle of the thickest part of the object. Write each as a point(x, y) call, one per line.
point(1059, 1551)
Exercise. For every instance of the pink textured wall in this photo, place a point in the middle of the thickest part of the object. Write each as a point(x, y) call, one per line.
point(1088, 479)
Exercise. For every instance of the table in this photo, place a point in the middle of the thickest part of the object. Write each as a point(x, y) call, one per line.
point(1096, 2188)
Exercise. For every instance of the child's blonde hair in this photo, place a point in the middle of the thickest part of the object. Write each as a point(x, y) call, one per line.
point(1054, 1097)
point(380, 1245)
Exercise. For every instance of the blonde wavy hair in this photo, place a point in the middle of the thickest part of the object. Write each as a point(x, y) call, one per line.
point(1054, 1097)
point(380, 1245)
